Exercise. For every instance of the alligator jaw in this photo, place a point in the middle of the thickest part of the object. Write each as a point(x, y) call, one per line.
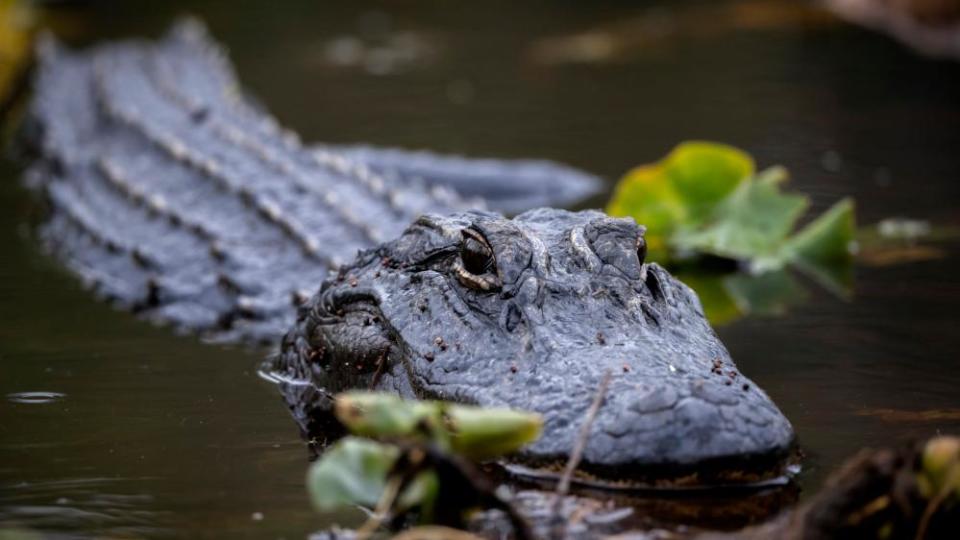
point(748, 473)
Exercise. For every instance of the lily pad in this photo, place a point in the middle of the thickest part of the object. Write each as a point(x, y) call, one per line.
point(706, 199)
point(680, 190)
point(751, 223)
point(355, 471)
point(361, 471)
point(829, 239)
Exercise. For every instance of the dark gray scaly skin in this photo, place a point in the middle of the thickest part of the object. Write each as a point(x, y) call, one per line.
point(173, 196)
point(565, 298)
point(525, 184)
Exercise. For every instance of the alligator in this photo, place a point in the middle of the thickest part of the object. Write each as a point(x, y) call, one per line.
point(174, 195)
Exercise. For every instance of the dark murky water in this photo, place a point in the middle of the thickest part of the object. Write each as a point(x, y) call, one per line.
point(110, 426)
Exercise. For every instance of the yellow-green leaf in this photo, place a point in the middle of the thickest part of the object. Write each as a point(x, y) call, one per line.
point(485, 433)
point(940, 466)
point(705, 199)
point(475, 432)
point(703, 173)
point(381, 415)
point(679, 191)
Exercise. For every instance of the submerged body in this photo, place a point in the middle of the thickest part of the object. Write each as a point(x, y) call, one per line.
point(172, 195)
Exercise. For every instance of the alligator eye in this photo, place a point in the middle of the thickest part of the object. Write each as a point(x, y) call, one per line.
point(641, 249)
point(477, 266)
point(476, 255)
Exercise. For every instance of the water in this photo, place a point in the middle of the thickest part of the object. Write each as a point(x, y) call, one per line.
point(109, 426)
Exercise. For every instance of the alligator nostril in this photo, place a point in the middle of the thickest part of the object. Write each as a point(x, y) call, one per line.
point(512, 317)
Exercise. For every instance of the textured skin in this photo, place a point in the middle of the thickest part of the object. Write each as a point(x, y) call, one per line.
point(575, 302)
point(172, 195)
point(528, 184)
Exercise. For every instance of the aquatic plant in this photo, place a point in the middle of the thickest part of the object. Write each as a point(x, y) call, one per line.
point(416, 454)
point(707, 198)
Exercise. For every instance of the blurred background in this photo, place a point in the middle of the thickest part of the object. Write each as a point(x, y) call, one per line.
point(111, 427)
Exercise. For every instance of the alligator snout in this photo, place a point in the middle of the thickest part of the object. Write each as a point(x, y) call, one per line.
point(665, 420)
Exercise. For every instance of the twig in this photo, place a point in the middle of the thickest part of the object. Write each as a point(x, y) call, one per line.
point(563, 487)
point(390, 492)
point(410, 464)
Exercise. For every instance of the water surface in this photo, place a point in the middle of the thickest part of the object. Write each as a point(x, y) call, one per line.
point(109, 426)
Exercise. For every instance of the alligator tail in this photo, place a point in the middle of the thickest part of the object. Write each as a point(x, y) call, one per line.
point(172, 195)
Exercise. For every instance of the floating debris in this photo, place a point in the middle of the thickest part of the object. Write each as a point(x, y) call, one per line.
point(388, 54)
point(35, 398)
point(659, 27)
point(904, 229)
point(903, 415)
point(932, 28)
point(899, 240)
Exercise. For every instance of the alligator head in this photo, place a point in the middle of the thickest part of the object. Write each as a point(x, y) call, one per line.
point(531, 313)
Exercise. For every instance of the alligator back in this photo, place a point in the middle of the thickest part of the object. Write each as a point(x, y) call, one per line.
point(172, 195)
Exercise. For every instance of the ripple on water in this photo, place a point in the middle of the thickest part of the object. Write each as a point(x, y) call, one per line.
point(35, 397)
point(98, 506)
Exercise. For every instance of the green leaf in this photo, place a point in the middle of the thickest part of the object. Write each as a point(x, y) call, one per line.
point(381, 415)
point(486, 433)
point(704, 199)
point(824, 249)
point(355, 471)
point(827, 239)
point(352, 471)
point(704, 173)
point(679, 191)
point(751, 223)
point(475, 432)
